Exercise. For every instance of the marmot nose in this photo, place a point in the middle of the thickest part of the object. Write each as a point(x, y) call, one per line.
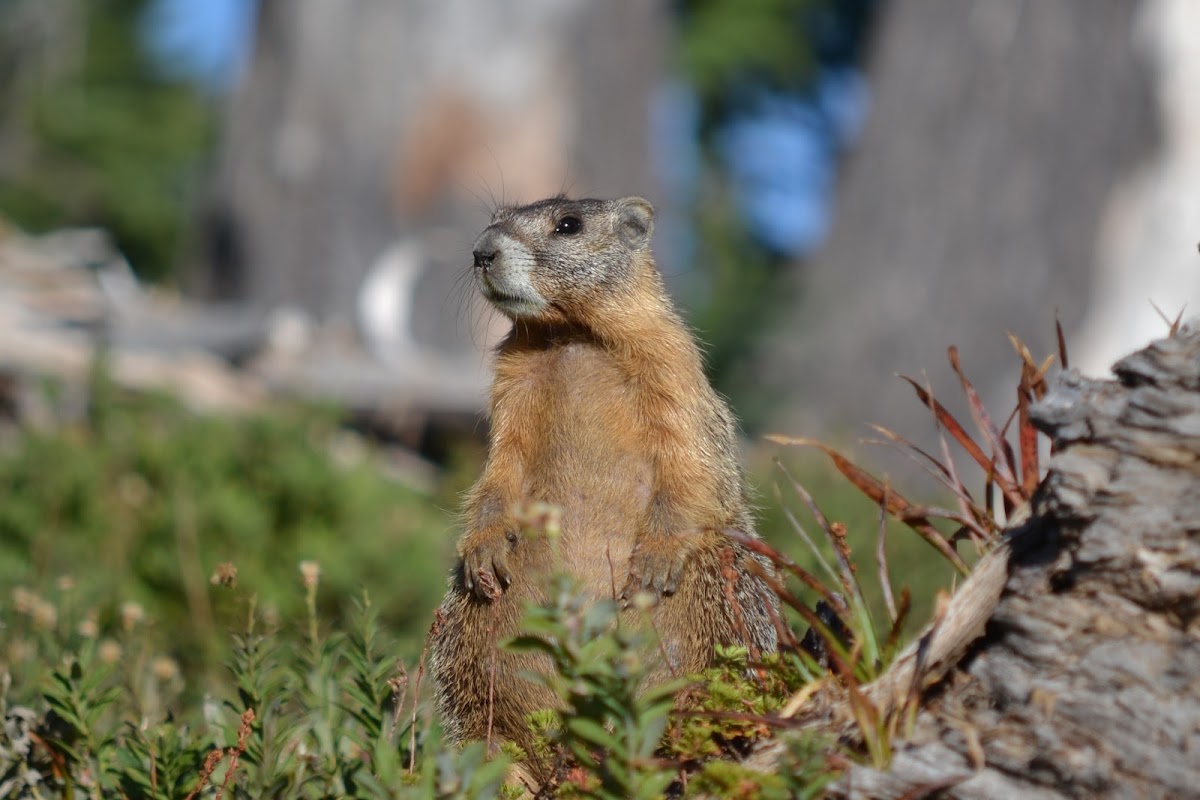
point(484, 256)
point(485, 250)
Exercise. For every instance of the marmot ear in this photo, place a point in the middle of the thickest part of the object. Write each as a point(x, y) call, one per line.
point(635, 222)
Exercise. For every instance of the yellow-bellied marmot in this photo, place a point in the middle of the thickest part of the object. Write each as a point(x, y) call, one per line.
point(600, 406)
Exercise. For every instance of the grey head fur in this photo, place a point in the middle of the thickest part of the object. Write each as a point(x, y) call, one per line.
point(558, 252)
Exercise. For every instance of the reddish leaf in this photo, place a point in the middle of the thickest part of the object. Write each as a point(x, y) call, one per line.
point(1174, 324)
point(1062, 342)
point(1004, 471)
point(1027, 434)
point(892, 500)
point(833, 645)
point(901, 617)
point(943, 473)
point(754, 544)
point(926, 460)
point(1022, 351)
point(1031, 373)
point(947, 421)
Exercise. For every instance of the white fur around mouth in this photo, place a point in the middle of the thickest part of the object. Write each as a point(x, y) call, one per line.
point(513, 304)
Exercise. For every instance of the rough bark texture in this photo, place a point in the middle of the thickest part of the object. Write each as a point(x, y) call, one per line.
point(1086, 680)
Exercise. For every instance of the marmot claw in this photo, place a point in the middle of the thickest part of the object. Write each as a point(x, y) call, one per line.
point(657, 569)
point(485, 565)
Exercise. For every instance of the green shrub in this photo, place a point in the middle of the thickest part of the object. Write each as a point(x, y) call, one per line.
point(128, 518)
point(296, 717)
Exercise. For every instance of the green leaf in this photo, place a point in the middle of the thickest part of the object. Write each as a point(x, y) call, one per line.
point(529, 643)
point(592, 732)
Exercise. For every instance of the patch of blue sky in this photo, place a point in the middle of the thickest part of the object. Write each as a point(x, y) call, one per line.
point(205, 41)
point(783, 155)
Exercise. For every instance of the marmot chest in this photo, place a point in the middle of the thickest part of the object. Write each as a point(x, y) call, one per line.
point(589, 448)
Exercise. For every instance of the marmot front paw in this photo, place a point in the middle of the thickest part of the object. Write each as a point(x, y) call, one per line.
point(485, 563)
point(656, 566)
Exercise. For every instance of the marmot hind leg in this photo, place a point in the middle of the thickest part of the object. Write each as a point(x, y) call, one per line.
point(479, 686)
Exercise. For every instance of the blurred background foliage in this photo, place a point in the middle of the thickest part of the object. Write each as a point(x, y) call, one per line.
point(143, 504)
point(759, 71)
point(140, 501)
point(725, 43)
point(100, 130)
point(95, 133)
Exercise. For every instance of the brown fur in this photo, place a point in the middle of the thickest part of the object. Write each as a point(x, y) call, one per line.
point(599, 406)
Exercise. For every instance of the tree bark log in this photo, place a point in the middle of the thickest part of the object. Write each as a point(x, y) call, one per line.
point(1085, 680)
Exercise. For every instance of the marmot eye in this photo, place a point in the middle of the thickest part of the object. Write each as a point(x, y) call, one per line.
point(568, 226)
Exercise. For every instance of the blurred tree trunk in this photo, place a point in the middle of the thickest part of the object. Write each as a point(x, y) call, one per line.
point(40, 41)
point(362, 123)
point(970, 207)
point(1145, 264)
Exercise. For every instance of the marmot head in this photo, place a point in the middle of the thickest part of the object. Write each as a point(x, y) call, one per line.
point(559, 260)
